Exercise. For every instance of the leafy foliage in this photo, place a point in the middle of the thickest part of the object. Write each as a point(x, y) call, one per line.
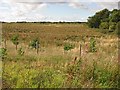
point(95, 21)
point(112, 26)
point(68, 46)
point(115, 16)
point(104, 25)
point(15, 40)
point(105, 19)
point(92, 45)
point(3, 52)
point(34, 43)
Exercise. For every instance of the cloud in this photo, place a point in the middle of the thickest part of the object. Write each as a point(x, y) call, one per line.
point(109, 5)
point(24, 8)
point(78, 5)
point(104, 0)
point(19, 11)
point(13, 10)
point(72, 3)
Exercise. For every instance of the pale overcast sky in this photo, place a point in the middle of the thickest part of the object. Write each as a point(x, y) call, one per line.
point(52, 10)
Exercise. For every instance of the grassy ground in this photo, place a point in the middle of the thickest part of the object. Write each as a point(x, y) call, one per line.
point(53, 67)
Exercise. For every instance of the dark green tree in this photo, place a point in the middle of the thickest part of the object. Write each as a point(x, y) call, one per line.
point(105, 19)
point(115, 16)
point(95, 21)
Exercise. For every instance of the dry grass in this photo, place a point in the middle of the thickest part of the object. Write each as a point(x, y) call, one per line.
point(55, 58)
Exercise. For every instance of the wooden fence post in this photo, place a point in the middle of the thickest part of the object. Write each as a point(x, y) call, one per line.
point(37, 46)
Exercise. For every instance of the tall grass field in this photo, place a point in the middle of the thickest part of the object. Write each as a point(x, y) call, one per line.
point(36, 55)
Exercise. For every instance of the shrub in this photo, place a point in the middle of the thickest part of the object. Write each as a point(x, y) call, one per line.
point(104, 25)
point(117, 31)
point(74, 74)
point(34, 43)
point(3, 52)
point(112, 26)
point(92, 45)
point(15, 41)
point(68, 46)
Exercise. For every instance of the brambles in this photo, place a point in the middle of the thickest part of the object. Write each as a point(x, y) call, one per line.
point(15, 41)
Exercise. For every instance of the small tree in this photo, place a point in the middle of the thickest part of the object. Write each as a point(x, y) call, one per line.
point(15, 40)
point(92, 45)
point(35, 44)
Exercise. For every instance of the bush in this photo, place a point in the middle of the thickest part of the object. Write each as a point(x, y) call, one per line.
point(104, 25)
point(15, 41)
point(34, 43)
point(117, 31)
point(112, 26)
point(118, 26)
point(92, 45)
point(3, 53)
point(68, 46)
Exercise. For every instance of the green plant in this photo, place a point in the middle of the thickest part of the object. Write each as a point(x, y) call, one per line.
point(35, 44)
point(68, 46)
point(3, 53)
point(104, 25)
point(20, 52)
point(15, 41)
point(92, 45)
point(112, 26)
point(74, 74)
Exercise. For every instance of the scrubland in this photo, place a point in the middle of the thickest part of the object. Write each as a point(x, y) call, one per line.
point(54, 66)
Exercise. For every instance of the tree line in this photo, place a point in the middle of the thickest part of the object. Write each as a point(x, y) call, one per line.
point(105, 19)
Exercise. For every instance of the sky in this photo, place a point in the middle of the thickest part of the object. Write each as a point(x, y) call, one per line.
point(52, 10)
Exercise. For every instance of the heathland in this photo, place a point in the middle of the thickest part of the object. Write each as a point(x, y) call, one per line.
point(64, 55)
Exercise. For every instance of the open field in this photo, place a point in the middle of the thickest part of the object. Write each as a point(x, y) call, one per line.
point(55, 67)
